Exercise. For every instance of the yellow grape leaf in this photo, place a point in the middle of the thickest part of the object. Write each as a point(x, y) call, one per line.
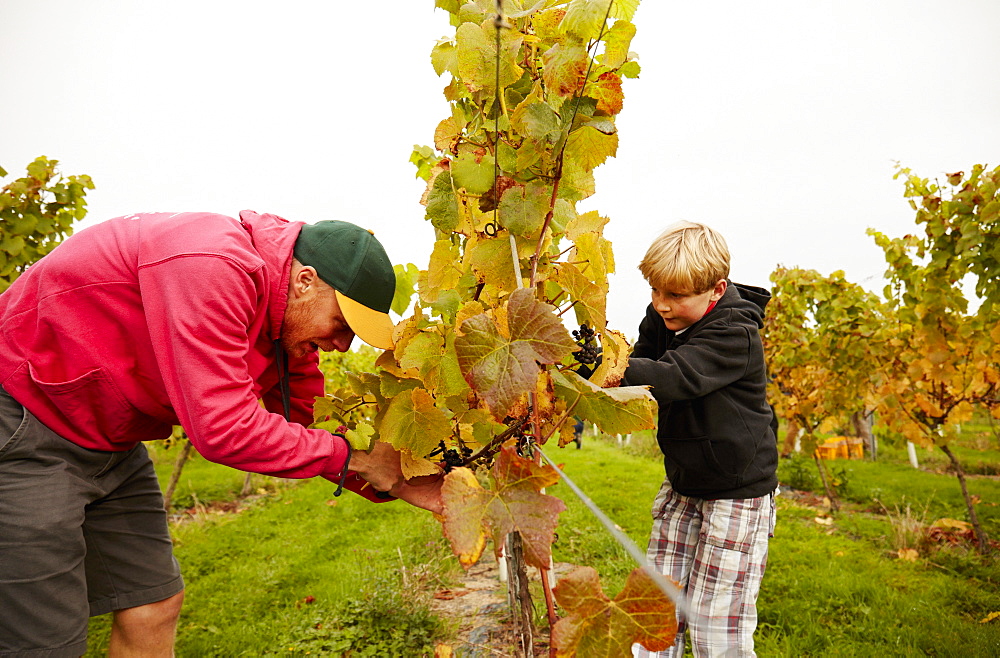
point(591, 300)
point(468, 310)
point(617, 41)
point(478, 57)
point(597, 626)
point(503, 369)
point(412, 421)
point(588, 222)
point(564, 68)
point(472, 513)
point(596, 251)
point(591, 147)
point(415, 466)
point(441, 273)
point(577, 183)
point(491, 260)
point(614, 359)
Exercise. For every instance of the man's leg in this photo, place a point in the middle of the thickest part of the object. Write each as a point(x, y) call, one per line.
point(147, 630)
point(43, 591)
point(131, 570)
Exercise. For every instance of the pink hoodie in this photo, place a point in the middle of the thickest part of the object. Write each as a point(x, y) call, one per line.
point(156, 319)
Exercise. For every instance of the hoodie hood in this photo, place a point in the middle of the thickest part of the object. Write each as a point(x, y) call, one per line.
point(274, 237)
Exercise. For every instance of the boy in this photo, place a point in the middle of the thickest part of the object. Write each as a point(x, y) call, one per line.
point(700, 351)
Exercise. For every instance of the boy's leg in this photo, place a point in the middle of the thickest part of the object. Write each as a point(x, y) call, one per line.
point(726, 576)
point(672, 546)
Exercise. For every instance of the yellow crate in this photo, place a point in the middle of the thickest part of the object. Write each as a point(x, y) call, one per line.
point(841, 447)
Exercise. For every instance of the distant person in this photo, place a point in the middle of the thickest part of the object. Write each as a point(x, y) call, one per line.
point(138, 324)
point(578, 432)
point(700, 351)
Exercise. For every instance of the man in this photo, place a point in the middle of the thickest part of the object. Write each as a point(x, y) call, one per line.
point(144, 322)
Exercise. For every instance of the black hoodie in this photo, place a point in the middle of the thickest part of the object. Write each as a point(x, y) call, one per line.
point(716, 429)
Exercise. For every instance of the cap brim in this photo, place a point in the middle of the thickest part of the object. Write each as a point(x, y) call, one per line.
point(369, 325)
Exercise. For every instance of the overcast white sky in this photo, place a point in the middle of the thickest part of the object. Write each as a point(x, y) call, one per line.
point(776, 122)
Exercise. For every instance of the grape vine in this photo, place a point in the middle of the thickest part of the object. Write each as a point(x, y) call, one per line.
point(484, 367)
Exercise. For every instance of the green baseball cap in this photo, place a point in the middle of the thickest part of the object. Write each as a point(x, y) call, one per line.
point(351, 261)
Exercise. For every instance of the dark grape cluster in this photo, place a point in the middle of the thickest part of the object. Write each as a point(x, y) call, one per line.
point(589, 350)
point(452, 457)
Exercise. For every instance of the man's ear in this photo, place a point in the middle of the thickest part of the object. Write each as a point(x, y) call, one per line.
point(303, 278)
point(719, 290)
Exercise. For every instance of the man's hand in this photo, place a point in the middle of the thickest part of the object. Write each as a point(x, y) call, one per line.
point(379, 467)
point(423, 492)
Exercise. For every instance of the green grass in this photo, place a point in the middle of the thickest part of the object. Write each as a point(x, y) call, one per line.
point(296, 572)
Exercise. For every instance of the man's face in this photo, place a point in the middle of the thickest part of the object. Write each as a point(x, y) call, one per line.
point(680, 309)
point(313, 320)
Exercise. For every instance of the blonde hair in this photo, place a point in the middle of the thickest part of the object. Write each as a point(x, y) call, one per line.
point(687, 257)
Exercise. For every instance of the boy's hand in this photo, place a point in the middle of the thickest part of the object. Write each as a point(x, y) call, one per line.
point(587, 370)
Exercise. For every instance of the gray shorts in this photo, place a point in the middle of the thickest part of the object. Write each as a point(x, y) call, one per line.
point(82, 533)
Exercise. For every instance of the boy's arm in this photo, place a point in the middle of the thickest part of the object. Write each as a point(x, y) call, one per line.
point(651, 329)
point(716, 357)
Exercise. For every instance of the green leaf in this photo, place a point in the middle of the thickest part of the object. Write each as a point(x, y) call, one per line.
point(503, 369)
point(442, 204)
point(535, 120)
point(412, 421)
point(523, 208)
point(406, 279)
point(474, 172)
point(361, 437)
point(3, 172)
point(577, 182)
point(630, 69)
point(619, 410)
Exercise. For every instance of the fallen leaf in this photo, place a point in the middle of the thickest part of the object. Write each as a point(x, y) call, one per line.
point(908, 554)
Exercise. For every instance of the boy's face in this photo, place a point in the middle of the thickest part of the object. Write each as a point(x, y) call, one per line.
point(680, 309)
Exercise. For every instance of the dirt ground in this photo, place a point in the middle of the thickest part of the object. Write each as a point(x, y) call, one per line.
point(480, 607)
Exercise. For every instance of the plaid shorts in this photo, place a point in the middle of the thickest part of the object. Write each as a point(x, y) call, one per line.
point(717, 551)
point(82, 533)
